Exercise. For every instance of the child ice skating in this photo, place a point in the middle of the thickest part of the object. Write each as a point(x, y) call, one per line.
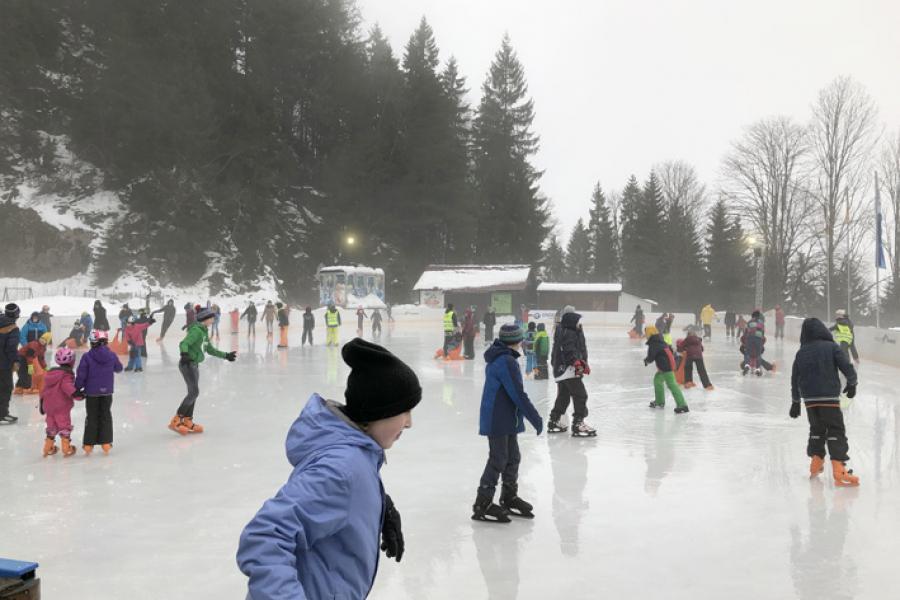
point(332, 325)
point(660, 353)
point(193, 347)
point(844, 335)
point(528, 349)
point(283, 324)
point(318, 537)
point(692, 346)
point(94, 380)
point(135, 337)
point(815, 381)
point(57, 401)
point(753, 345)
point(504, 408)
point(376, 323)
point(570, 365)
point(541, 352)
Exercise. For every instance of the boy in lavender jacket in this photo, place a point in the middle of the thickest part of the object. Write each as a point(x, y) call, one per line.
point(94, 380)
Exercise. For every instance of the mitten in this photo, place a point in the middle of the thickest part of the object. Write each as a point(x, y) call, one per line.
point(230, 356)
point(850, 390)
point(795, 410)
point(391, 531)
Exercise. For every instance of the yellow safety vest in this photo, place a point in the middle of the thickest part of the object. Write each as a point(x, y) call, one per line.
point(449, 327)
point(843, 334)
point(331, 318)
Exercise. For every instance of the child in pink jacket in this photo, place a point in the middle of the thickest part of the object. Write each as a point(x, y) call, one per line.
point(57, 400)
point(134, 335)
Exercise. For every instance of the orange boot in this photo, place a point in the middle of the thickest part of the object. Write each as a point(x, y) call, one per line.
point(19, 391)
point(106, 448)
point(67, 448)
point(816, 465)
point(191, 426)
point(87, 449)
point(177, 425)
point(49, 446)
point(842, 476)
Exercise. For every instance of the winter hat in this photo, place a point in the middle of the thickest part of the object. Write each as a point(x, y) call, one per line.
point(12, 310)
point(510, 334)
point(205, 313)
point(568, 308)
point(840, 312)
point(541, 327)
point(279, 304)
point(651, 330)
point(380, 385)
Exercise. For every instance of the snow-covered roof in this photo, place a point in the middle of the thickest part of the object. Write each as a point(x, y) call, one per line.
point(474, 277)
point(579, 287)
point(352, 270)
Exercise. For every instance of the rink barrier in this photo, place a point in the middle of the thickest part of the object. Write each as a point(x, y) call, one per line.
point(18, 580)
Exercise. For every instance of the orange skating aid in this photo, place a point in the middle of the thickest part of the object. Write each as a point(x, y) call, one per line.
point(842, 476)
point(49, 447)
point(816, 465)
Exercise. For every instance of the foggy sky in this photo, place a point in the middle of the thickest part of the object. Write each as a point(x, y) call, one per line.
point(620, 85)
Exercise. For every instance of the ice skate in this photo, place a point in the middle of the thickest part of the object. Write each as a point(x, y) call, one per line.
point(192, 427)
point(8, 420)
point(709, 388)
point(745, 369)
point(67, 448)
point(681, 409)
point(177, 425)
point(50, 447)
point(485, 510)
point(139, 370)
point(106, 448)
point(557, 425)
point(87, 448)
point(18, 391)
point(843, 477)
point(581, 428)
point(816, 465)
point(32, 391)
point(689, 384)
point(758, 372)
point(655, 404)
point(512, 504)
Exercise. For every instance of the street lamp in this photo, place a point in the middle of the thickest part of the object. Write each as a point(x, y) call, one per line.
point(760, 256)
point(351, 241)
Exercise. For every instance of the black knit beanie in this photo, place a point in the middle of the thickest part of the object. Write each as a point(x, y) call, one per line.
point(380, 385)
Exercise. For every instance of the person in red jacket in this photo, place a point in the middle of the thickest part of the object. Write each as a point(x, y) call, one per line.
point(692, 345)
point(134, 335)
point(33, 365)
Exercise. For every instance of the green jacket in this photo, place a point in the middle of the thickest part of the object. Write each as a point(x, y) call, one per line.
point(542, 344)
point(196, 342)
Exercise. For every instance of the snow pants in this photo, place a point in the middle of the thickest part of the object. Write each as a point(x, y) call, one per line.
point(307, 336)
point(469, 347)
point(570, 390)
point(191, 374)
point(251, 327)
point(6, 388)
point(667, 380)
point(488, 335)
point(331, 336)
point(826, 426)
point(540, 370)
point(98, 427)
point(448, 343)
point(503, 462)
point(59, 423)
point(701, 371)
point(639, 328)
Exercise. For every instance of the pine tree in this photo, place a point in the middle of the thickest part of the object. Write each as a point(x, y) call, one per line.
point(578, 254)
point(727, 261)
point(601, 231)
point(506, 184)
point(553, 265)
point(642, 238)
point(685, 285)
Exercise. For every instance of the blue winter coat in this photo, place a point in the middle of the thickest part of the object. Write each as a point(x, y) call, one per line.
point(31, 331)
point(504, 403)
point(319, 536)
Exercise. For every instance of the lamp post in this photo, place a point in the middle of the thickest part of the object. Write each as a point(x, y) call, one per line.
point(759, 256)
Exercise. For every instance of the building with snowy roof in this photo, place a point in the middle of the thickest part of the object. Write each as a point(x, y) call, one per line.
point(505, 287)
point(607, 297)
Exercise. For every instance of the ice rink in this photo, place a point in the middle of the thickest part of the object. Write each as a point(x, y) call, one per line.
point(713, 504)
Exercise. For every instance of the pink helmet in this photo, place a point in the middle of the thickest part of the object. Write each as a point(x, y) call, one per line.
point(97, 336)
point(65, 356)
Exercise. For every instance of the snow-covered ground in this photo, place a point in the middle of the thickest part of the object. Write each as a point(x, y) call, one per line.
point(712, 504)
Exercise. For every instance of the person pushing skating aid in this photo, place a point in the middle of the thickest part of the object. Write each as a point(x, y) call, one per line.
point(815, 381)
point(192, 348)
point(318, 537)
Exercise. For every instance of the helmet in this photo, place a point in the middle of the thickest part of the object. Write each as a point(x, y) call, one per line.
point(131, 319)
point(98, 336)
point(65, 356)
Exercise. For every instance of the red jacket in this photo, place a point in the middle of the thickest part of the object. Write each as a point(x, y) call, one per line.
point(779, 317)
point(38, 351)
point(692, 345)
point(134, 334)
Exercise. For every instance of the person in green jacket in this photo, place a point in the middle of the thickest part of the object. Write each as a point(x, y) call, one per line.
point(192, 348)
point(541, 351)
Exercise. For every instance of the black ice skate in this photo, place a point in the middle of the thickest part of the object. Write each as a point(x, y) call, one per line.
point(485, 510)
point(681, 409)
point(758, 372)
point(582, 429)
point(557, 425)
point(512, 504)
point(656, 405)
point(745, 369)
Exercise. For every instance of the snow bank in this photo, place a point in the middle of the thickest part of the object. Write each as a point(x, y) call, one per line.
point(579, 287)
point(369, 301)
point(474, 277)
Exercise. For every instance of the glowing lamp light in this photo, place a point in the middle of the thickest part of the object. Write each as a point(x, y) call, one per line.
point(351, 240)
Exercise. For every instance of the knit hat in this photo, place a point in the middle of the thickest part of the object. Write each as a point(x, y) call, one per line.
point(380, 385)
point(532, 326)
point(205, 313)
point(12, 310)
point(510, 334)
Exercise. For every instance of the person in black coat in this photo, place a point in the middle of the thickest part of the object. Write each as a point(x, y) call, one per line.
point(730, 322)
point(168, 312)
point(569, 359)
point(9, 359)
point(815, 381)
point(101, 322)
point(309, 323)
point(489, 320)
point(250, 313)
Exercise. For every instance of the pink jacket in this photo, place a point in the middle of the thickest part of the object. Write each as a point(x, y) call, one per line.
point(59, 386)
point(134, 334)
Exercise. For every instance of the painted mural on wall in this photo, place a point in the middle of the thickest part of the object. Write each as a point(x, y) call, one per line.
point(341, 285)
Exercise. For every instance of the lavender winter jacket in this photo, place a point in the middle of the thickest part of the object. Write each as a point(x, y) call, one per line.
point(59, 385)
point(96, 371)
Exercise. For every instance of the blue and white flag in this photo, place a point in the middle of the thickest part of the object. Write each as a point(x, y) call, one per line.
point(879, 247)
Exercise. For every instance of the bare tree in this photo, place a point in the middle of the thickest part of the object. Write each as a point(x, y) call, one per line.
point(889, 173)
point(842, 134)
point(768, 188)
point(682, 187)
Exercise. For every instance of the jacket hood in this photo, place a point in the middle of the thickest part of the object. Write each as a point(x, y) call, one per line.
point(814, 330)
point(498, 349)
point(320, 425)
point(570, 320)
point(101, 355)
point(54, 375)
point(6, 321)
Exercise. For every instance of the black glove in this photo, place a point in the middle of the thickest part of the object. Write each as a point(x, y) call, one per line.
point(795, 410)
point(152, 321)
point(391, 533)
point(850, 390)
point(231, 356)
point(185, 359)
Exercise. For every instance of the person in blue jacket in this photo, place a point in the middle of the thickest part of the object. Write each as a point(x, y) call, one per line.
point(319, 536)
point(504, 408)
point(33, 329)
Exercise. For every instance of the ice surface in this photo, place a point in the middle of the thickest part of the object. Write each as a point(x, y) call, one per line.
point(713, 504)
